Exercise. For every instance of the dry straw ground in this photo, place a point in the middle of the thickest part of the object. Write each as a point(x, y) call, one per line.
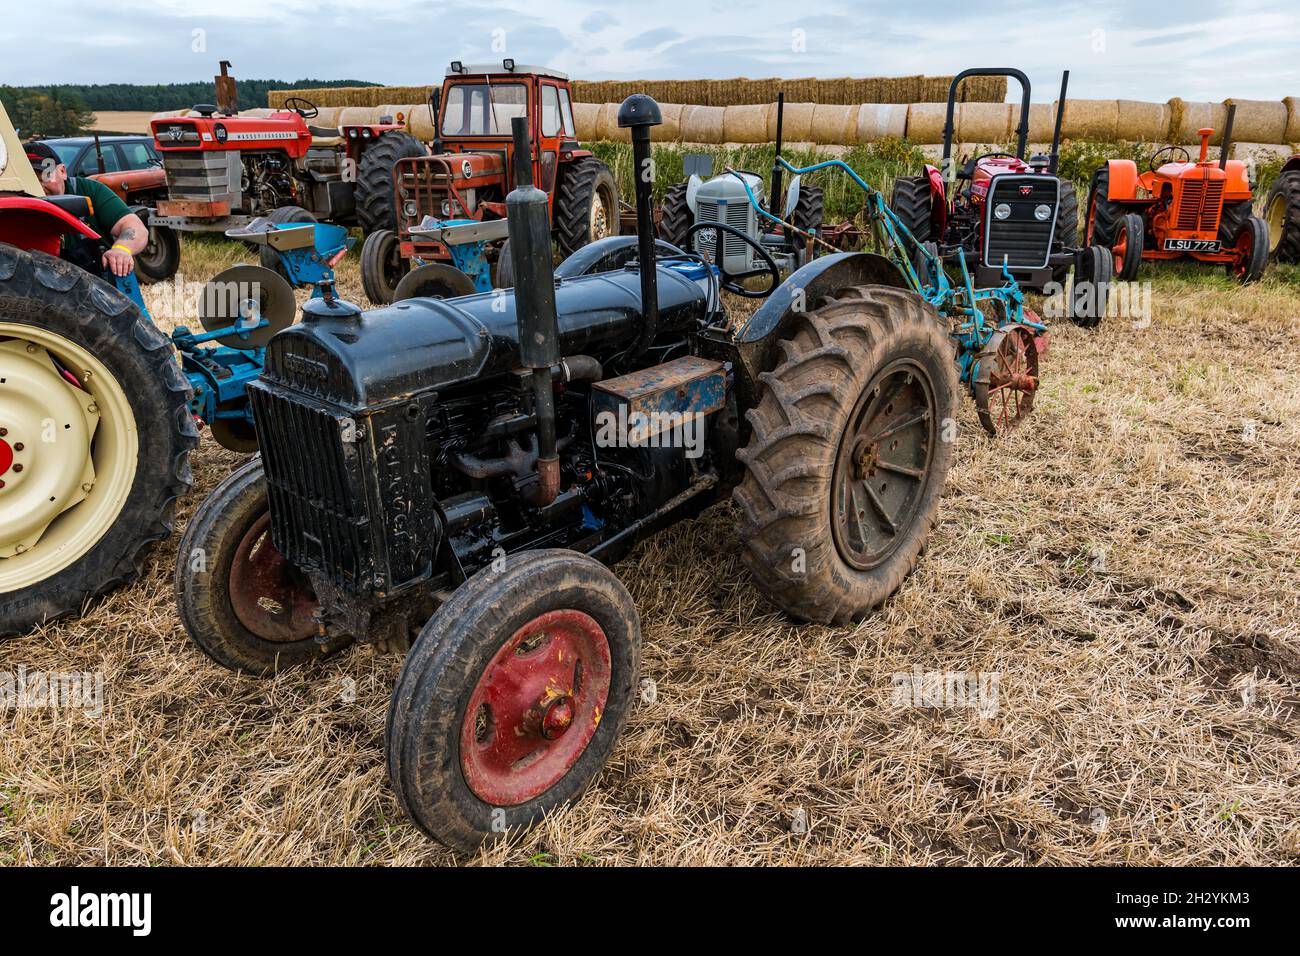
point(1127, 565)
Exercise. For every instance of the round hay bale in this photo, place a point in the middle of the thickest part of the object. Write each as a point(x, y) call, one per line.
point(355, 115)
point(702, 124)
point(610, 127)
point(834, 124)
point(670, 131)
point(797, 123)
point(1091, 119)
point(1140, 122)
point(1193, 116)
point(1293, 119)
point(587, 116)
point(329, 116)
point(925, 122)
point(419, 122)
point(745, 124)
point(1259, 121)
point(1042, 121)
point(984, 122)
point(877, 121)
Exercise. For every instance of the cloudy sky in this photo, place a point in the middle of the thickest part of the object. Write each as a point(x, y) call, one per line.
point(1211, 50)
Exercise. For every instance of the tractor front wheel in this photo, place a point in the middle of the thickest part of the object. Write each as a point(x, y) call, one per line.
point(161, 256)
point(913, 204)
point(244, 606)
point(586, 204)
point(675, 216)
point(512, 696)
point(382, 266)
point(1094, 269)
point(1250, 251)
point(1282, 213)
point(95, 435)
point(1126, 250)
point(852, 439)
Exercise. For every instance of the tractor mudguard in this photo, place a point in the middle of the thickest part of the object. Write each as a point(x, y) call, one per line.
point(824, 276)
point(1123, 180)
point(608, 254)
point(30, 223)
point(1292, 165)
point(1237, 185)
point(938, 201)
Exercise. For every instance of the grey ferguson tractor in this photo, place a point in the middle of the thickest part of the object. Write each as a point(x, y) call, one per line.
point(451, 477)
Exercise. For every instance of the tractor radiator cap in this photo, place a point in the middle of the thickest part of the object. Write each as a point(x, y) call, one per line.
point(639, 109)
point(330, 308)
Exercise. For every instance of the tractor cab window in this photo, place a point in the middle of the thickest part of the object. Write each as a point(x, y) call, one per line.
point(553, 120)
point(483, 109)
point(566, 110)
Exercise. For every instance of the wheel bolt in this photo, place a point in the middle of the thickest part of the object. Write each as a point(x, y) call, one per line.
point(92, 408)
point(86, 486)
point(20, 549)
point(18, 446)
point(18, 467)
point(31, 348)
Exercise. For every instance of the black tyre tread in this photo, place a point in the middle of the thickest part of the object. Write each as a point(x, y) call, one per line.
point(810, 210)
point(443, 666)
point(43, 291)
point(1136, 239)
point(911, 202)
point(1067, 225)
point(1288, 187)
point(675, 216)
point(373, 197)
point(1103, 269)
point(169, 256)
point(374, 250)
point(573, 194)
point(281, 214)
point(202, 601)
point(1232, 219)
point(783, 500)
point(1108, 213)
point(1259, 251)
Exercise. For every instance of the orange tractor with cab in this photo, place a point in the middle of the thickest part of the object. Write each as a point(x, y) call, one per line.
point(1178, 209)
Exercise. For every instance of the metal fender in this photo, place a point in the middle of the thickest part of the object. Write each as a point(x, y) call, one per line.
point(30, 223)
point(1292, 165)
point(1123, 179)
point(606, 255)
point(938, 201)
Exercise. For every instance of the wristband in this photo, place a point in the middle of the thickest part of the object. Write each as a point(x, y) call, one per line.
point(123, 248)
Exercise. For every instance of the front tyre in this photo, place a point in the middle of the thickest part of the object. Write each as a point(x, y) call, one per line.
point(1250, 251)
point(244, 606)
point(850, 449)
point(95, 435)
point(512, 697)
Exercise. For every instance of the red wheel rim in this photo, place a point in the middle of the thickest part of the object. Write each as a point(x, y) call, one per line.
point(1120, 248)
point(1245, 249)
point(1013, 379)
point(264, 594)
point(535, 708)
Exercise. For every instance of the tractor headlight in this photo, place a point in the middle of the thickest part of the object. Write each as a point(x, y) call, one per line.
point(409, 209)
point(365, 133)
point(352, 134)
point(1001, 211)
point(1042, 212)
point(446, 209)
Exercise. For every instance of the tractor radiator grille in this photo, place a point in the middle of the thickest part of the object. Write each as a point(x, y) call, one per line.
point(203, 175)
point(1200, 205)
point(1022, 239)
point(314, 486)
point(738, 214)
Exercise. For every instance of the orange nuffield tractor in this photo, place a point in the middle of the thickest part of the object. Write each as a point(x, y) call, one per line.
point(1178, 208)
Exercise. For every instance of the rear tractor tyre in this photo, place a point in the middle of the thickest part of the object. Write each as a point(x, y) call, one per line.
point(512, 697)
point(586, 204)
point(382, 266)
point(1103, 215)
point(241, 602)
point(1067, 227)
point(675, 216)
point(1251, 250)
point(1126, 250)
point(850, 448)
point(1282, 213)
point(809, 214)
point(374, 197)
point(95, 436)
point(913, 204)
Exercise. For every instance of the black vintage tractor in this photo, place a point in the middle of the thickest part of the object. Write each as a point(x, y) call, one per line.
point(451, 477)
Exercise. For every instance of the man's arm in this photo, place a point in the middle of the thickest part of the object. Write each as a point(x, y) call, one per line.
point(129, 238)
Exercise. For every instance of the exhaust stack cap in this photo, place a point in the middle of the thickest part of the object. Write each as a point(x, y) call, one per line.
point(639, 109)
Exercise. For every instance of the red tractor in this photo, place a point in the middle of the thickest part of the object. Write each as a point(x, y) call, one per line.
point(1282, 213)
point(1004, 209)
point(95, 429)
point(224, 170)
point(1178, 209)
point(472, 168)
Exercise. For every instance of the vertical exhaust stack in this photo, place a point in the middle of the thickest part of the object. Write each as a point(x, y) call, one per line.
point(1226, 146)
point(638, 113)
point(1054, 158)
point(529, 224)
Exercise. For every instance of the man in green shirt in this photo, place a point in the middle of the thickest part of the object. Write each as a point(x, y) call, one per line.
point(122, 233)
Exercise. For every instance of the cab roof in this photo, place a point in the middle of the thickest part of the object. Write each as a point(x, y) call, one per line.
point(498, 69)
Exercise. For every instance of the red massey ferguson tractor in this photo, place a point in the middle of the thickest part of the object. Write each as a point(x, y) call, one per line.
point(223, 169)
point(1178, 209)
point(94, 426)
point(471, 170)
point(1005, 208)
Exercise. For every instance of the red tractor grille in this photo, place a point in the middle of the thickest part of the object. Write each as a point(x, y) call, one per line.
point(1200, 205)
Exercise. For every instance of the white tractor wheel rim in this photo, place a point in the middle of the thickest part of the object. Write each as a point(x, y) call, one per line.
point(67, 484)
point(1276, 217)
point(599, 216)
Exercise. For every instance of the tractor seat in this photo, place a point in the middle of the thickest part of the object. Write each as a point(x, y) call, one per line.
point(324, 132)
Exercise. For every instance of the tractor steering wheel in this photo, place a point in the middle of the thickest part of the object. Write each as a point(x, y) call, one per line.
point(1154, 163)
point(731, 280)
point(304, 108)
